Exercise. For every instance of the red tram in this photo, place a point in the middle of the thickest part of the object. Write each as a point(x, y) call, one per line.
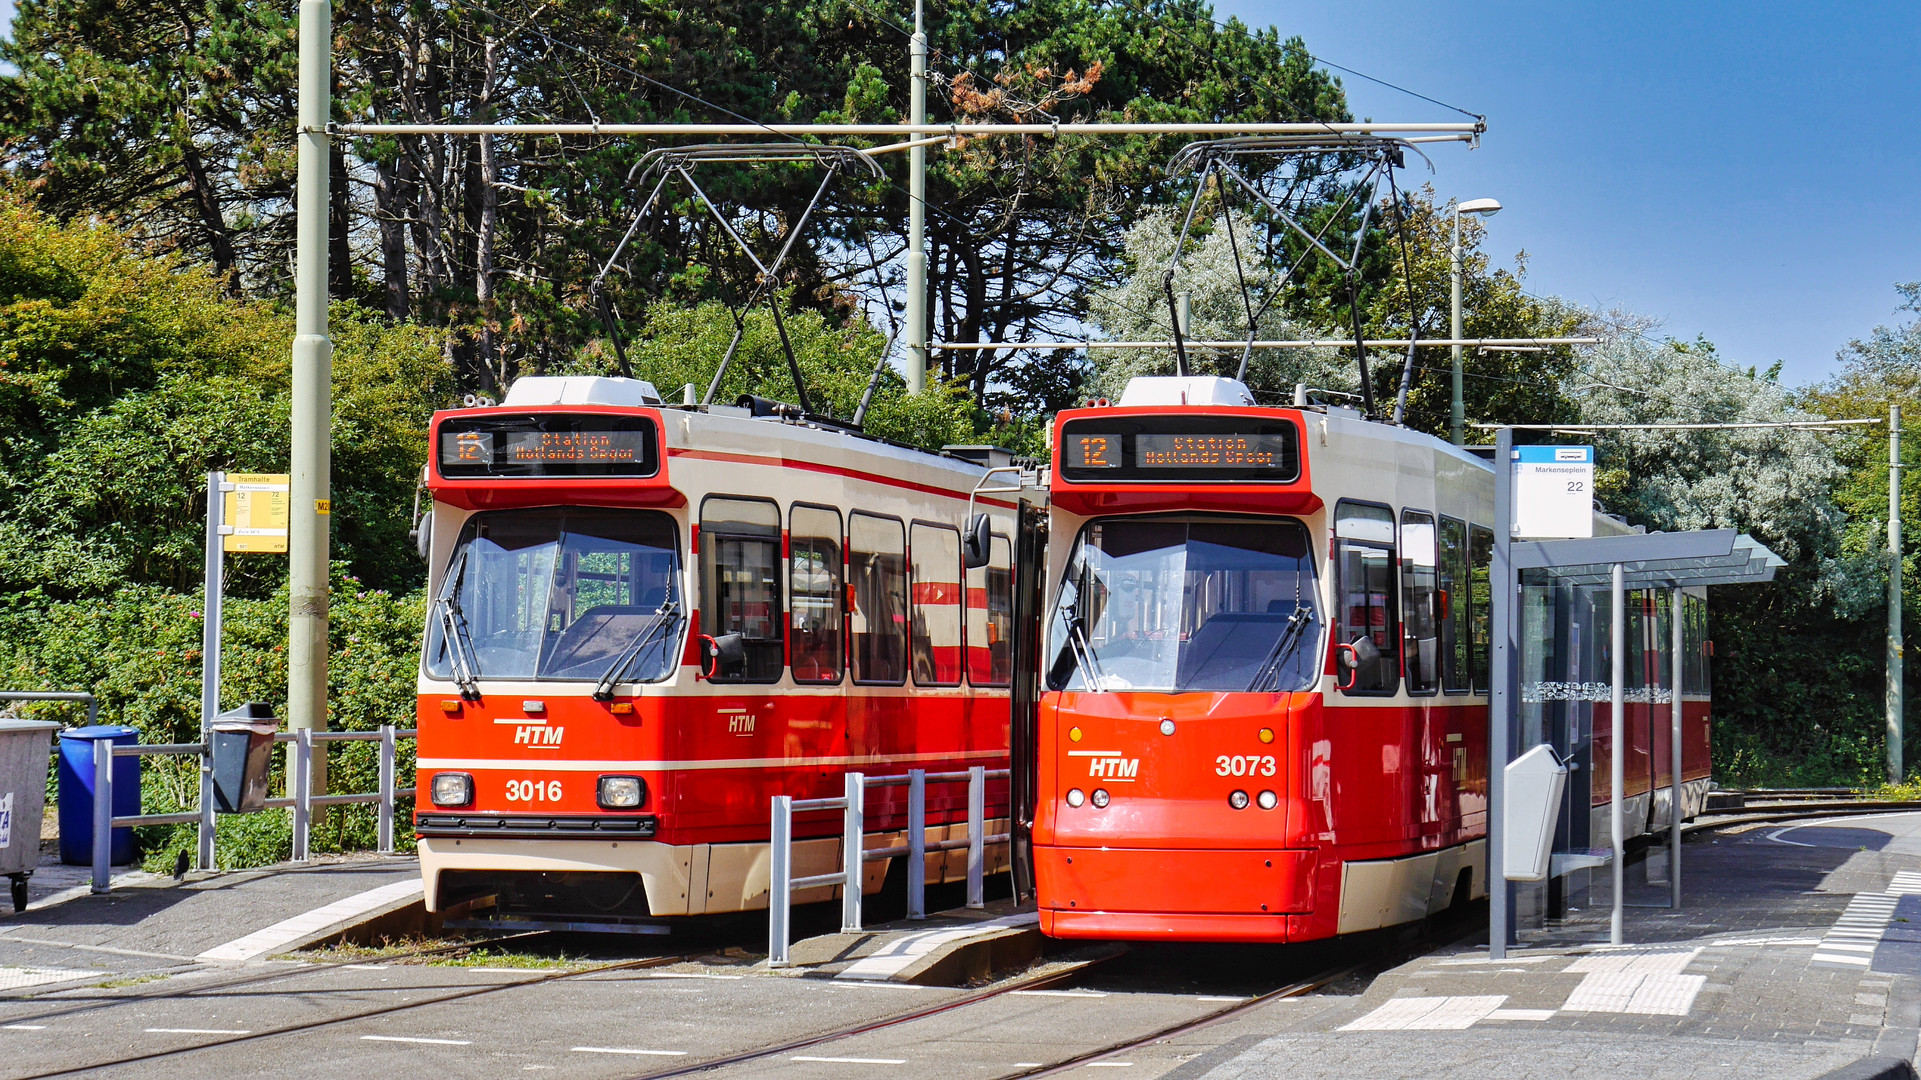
point(646, 620)
point(1263, 711)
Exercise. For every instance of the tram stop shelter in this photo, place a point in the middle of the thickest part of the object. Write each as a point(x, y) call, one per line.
point(1611, 628)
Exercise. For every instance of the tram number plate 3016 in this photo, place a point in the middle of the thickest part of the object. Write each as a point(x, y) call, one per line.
point(533, 791)
point(1236, 765)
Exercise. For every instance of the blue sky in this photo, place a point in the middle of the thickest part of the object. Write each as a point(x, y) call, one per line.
point(1740, 171)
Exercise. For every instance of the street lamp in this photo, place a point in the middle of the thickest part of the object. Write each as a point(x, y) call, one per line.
point(1485, 208)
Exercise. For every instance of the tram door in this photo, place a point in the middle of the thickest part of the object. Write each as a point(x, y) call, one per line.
point(1030, 560)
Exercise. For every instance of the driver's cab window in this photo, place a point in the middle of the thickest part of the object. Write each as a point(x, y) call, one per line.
point(1366, 635)
point(740, 587)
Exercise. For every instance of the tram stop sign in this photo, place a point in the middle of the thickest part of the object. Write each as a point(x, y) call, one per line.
point(255, 515)
point(1554, 492)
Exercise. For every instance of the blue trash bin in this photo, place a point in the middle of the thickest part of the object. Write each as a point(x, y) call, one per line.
point(76, 793)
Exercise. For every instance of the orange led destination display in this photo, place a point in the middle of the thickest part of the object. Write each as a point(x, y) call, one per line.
point(549, 445)
point(1213, 451)
point(1184, 449)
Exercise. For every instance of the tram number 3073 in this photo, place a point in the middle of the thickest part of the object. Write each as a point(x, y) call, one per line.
point(1233, 765)
point(533, 791)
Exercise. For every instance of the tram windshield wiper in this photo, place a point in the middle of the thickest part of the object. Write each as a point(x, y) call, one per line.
point(604, 689)
point(1084, 656)
point(453, 631)
point(1284, 646)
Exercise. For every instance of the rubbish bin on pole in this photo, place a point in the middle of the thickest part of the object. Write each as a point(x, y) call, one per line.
point(75, 791)
point(242, 751)
point(24, 745)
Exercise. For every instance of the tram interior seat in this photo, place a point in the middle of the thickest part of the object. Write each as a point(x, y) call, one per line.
point(1226, 651)
point(599, 634)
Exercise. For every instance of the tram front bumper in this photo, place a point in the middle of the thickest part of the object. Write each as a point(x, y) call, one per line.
point(1233, 895)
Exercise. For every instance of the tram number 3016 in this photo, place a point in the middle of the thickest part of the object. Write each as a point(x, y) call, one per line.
point(533, 791)
point(1234, 765)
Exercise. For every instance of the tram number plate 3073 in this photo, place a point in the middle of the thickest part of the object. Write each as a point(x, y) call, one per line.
point(1236, 765)
point(533, 791)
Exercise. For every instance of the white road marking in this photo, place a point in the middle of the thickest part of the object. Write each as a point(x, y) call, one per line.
point(852, 1061)
point(1521, 1014)
point(1109, 1065)
point(17, 978)
point(624, 1050)
point(1462, 961)
point(1061, 993)
point(23, 1027)
point(509, 971)
point(414, 1039)
point(366, 967)
point(287, 931)
point(197, 1031)
point(1207, 998)
point(691, 975)
point(1428, 1014)
point(894, 957)
point(1856, 934)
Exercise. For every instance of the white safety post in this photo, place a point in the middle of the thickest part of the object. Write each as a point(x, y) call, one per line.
point(976, 836)
point(102, 812)
point(386, 836)
point(1677, 641)
point(853, 852)
point(917, 843)
point(779, 873)
point(303, 793)
point(1617, 749)
point(210, 626)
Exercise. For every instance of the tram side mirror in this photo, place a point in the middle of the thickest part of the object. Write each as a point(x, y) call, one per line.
point(1365, 651)
point(723, 657)
point(978, 544)
point(422, 535)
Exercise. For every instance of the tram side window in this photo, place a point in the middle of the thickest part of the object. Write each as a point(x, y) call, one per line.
point(877, 591)
point(990, 617)
point(814, 593)
point(1367, 638)
point(1454, 608)
point(740, 583)
point(1420, 622)
point(936, 562)
point(1480, 601)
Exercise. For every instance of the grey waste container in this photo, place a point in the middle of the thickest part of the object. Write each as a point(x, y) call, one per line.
point(25, 746)
point(242, 751)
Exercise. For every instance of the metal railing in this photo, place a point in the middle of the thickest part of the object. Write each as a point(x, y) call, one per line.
point(854, 854)
point(299, 771)
point(92, 703)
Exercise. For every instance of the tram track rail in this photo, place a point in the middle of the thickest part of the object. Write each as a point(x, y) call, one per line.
point(1762, 815)
point(334, 1021)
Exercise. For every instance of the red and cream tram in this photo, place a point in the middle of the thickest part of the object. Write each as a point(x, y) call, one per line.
point(647, 620)
point(1263, 704)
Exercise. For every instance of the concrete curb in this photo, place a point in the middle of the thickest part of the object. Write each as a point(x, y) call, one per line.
point(1876, 1067)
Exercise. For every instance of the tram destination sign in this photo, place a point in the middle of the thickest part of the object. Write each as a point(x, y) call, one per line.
point(549, 445)
point(1181, 449)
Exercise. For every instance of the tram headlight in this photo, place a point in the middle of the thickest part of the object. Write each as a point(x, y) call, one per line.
point(1100, 798)
point(620, 792)
point(1238, 800)
point(1075, 796)
point(452, 789)
point(1266, 800)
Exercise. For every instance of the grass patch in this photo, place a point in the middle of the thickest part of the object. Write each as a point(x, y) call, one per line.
point(131, 980)
point(501, 958)
point(411, 950)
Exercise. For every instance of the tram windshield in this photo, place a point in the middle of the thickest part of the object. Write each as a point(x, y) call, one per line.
point(1173, 604)
point(562, 593)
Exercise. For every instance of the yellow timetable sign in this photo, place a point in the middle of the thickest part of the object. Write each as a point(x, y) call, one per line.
point(256, 511)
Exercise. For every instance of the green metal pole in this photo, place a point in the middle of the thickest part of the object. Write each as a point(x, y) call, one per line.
point(917, 214)
point(307, 525)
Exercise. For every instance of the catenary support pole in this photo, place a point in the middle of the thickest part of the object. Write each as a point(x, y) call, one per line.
point(210, 656)
point(1677, 641)
point(1457, 412)
point(1500, 702)
point(308, 507)
point(1617, 742)
point(1896, 691)
point(917, 211)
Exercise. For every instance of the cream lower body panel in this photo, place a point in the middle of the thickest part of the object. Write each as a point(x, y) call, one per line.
point(1386, 892)
point(697, 879)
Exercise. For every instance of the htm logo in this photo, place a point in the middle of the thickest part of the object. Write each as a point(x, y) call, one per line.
point(541, 735)
point(742, 724)
point(1114, 768)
